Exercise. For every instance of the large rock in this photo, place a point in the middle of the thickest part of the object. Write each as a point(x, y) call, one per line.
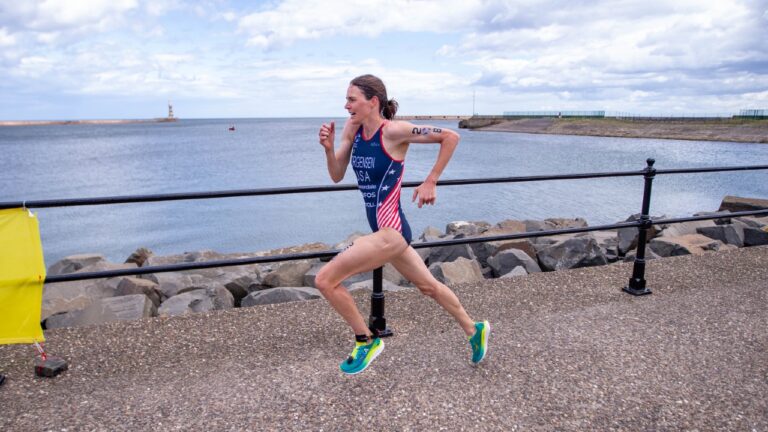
point(685, 228)
point(483, 251)
point(308, 279)
point(755, 237)
point(467, 228)
point(289, 274)
point(74, 263)
point(736, 204)
point(243, 285)
point(752, 221)
point(101, 311)
point(280, 295)
point(171, 284)
point(515, 272)
point(227, 276)
point(461, 270)
point(649, 255)
point(199, 300)
point(732, 234)
point(506, 261)
point(133, 285)
point(627, 237)
point(139, 256)
point(75, 295)
point(450, 253)
point(695, 244)
point(581, 251)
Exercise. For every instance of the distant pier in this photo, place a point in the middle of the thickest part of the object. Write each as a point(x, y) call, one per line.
point(432, 117)
point(84, 122)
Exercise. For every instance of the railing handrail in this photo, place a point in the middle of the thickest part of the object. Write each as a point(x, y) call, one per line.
point(334, 188)
point(69, 277)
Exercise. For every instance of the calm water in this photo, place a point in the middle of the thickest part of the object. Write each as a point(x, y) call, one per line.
point(50, 162)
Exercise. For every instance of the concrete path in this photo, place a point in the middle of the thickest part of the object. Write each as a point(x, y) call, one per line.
point(569, 351)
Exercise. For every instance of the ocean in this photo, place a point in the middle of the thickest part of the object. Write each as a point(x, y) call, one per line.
point(77, 161)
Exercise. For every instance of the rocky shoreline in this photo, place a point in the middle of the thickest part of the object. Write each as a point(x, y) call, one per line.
point(747, 131)
point(93, 302)
point(84, 122)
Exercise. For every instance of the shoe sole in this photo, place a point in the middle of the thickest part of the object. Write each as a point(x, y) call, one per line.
point(485, 335)
point(376, 354)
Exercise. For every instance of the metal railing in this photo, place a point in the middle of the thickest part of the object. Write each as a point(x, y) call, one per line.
point(635, 286)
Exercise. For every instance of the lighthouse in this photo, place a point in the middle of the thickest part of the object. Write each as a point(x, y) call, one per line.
point(170, 110)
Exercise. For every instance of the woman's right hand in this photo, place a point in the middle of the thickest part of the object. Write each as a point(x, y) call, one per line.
point(327, 135)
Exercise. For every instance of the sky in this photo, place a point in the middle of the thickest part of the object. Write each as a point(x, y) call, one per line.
point(111, 59)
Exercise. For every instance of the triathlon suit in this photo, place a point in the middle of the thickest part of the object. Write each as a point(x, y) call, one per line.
point(378, 178)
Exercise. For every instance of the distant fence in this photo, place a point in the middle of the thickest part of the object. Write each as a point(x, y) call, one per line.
point(746, 114)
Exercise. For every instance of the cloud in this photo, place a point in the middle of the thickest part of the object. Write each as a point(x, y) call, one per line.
point(61, 15)
point(6, 39)
point(294, 20)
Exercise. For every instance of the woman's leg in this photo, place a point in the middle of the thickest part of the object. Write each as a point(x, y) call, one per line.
point(410, 265)
point(365, 254)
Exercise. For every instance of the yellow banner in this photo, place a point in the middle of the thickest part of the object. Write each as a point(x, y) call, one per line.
point(22, 273)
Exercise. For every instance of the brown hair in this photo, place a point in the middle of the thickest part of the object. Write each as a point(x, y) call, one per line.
point(373, 86)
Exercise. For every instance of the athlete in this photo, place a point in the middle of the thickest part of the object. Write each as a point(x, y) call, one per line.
point(376, 145)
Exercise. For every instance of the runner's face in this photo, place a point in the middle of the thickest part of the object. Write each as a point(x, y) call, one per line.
point(357, 106)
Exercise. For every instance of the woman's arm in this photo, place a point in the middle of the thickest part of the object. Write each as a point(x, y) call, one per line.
point(405, 132)
point(337, 160)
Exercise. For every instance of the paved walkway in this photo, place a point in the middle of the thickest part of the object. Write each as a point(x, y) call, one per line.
point(569, 351)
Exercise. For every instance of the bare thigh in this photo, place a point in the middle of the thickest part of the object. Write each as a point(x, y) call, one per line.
point(365, 254)
point(412, 267)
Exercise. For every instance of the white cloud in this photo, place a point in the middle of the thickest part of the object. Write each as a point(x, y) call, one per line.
point(294, 20)
point(6, 39)
point(57, 15)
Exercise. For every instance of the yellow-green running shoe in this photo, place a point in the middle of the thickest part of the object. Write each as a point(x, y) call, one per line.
point(479, 341)
point(362, 356)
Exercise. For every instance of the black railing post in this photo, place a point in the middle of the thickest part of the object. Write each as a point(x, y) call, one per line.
point(377, 321)
point(636, 284)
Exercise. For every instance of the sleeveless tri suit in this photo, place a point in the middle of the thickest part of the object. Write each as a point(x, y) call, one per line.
point(379, 177)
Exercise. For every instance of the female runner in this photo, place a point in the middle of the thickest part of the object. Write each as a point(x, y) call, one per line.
point(375, 145)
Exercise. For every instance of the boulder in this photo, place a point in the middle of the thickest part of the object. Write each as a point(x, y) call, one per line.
point(466, 228)
point(172, 283)
point(581, 251)
point(483, 251)
point(460, 270)
point(430, 234)
point(695, 244)
point(101, 311)
point(732, 234)
point(139, 256)
point(563, 223)
point(242, 286)
point(755, 237)
point(752, 221)
point(537, 225)
point(685, 228)
point(506, 261)
point(511, 225)
point(716, 221)
point(289, 274)
point(75, 295)
point(627, 237)
point(649, 255)
point(515, 272)
point(132, 285)
point(74, 263)
point(737, 204)
point(280, 295)
point(199, 300)
point(444, 254)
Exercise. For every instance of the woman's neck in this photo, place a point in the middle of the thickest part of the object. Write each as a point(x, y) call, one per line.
point(371, 124)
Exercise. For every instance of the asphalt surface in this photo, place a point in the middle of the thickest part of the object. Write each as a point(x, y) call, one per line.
point(568, 351)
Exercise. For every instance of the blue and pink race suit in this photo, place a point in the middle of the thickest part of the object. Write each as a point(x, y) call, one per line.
point(378, 178)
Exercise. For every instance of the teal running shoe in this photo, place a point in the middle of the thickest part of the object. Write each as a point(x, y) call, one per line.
point(479, 341)
point(362, 356)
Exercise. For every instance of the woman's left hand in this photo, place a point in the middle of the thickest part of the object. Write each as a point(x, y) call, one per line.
point(426, 192)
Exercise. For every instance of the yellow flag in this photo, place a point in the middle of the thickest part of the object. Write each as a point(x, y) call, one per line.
point(22, 273)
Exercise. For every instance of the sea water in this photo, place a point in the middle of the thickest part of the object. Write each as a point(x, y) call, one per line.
point(77, 161)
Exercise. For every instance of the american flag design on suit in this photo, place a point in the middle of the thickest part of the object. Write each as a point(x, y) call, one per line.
point(379, 177)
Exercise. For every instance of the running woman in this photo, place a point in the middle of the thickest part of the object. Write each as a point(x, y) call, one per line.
point(376, 145)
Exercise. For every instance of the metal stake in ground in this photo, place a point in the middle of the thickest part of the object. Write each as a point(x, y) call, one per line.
point(377, 322)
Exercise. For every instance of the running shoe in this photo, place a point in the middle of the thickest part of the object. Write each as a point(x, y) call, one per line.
point(362, 356)
point(479, 341)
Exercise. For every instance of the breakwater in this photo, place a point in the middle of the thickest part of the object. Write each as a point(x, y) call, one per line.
point(735, 130)
point(85, 122)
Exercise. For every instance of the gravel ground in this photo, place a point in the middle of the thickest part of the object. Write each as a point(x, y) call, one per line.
point(569, 351)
